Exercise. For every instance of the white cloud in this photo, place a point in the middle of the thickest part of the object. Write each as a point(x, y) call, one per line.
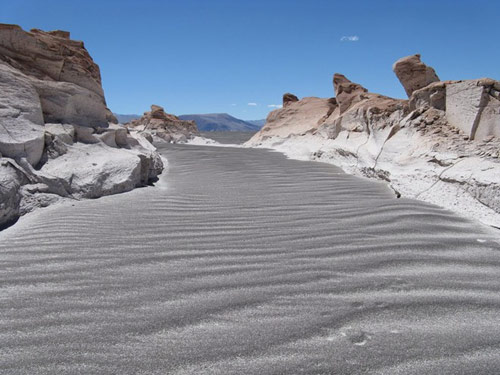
point(234, 105)
point(252, 104)
point(349, 38)
point(274, 105)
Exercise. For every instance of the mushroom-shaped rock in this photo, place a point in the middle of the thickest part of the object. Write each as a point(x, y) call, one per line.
point(347, 92)
point(413, 73)
point(289, 98)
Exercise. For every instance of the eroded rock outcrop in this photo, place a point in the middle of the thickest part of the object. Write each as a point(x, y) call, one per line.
point(354, 109)
point(296, 118)
point(62, 72)
point(289, 98)
point(165, 126)
point(347, 93)
point(413, 73)
point(56, 141)
point(442, 145)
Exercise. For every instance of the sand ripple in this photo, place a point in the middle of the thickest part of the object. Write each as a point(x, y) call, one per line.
point(245, 262)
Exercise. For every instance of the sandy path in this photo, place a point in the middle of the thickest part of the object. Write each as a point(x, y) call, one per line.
point(245, 262)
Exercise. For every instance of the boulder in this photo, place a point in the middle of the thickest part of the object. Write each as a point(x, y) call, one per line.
point(413, 73)
point(472, 107)
point(289, 98)
point(10, 183)
point(95, 170)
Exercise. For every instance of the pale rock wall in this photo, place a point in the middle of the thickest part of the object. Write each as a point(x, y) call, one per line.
point(472, 108)
point(21, 120)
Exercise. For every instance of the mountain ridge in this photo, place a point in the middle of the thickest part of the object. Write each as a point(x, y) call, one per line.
point(210, 122)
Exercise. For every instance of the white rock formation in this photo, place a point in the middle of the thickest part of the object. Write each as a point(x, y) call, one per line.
point(21, 120)
point(55, 139)
point(420, 147)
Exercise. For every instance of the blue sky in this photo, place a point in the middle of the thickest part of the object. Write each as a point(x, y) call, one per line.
point(205, 56)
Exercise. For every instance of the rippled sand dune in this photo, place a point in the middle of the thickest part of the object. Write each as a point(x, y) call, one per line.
point(245, 262)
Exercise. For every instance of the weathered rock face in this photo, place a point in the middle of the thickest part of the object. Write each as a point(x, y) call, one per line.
point(413, 73)
point(360, 110)
point(53, 117)
point(164, 125)
point(297, 117)
point(353, 109)
point(21, 120)
point(432, 96)
point(289, 98)
point(64, 75)
point(473, 106)
point(49, 56)
point(347, 93)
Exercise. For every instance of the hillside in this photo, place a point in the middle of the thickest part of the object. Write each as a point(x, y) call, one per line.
point(123, 119)
point(221, 122)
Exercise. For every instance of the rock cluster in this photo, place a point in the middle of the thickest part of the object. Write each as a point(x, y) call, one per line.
point(57, 137)
point(441, 145)
point(165, 126)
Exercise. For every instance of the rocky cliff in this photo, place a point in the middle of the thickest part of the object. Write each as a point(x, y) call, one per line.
point(441, 145)
point(58, 139)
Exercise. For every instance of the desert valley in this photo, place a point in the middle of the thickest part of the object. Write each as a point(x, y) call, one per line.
point(352, 234)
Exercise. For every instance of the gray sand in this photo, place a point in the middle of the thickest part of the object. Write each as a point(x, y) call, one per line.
point(245, 262)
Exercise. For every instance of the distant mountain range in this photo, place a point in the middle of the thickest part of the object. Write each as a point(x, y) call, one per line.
point(211, 122)
point(259, 123)
point(122, 119)
point(221, 122)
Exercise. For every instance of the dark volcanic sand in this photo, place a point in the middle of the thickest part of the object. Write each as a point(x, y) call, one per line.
point(244, 262)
